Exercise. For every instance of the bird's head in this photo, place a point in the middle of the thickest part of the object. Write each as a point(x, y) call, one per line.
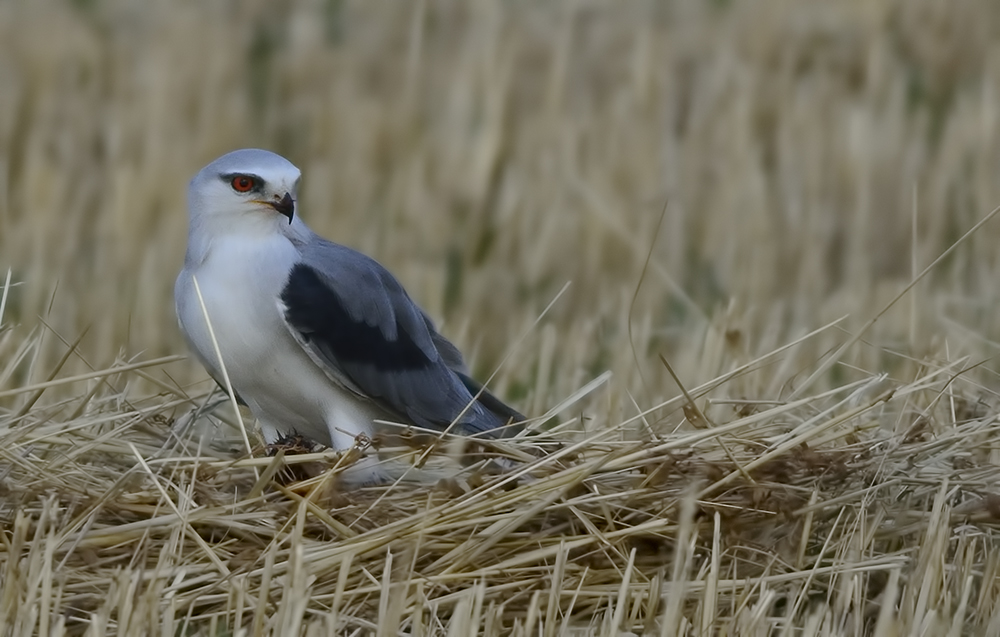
point(245, 185)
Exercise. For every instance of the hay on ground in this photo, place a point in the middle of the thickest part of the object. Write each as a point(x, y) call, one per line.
point(865, 509)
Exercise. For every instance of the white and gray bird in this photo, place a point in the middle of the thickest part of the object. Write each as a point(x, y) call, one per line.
point(317, 339)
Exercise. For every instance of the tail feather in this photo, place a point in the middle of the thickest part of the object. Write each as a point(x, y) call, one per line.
point(494, 405)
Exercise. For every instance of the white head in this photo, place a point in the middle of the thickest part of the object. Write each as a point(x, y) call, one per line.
point(245, 190)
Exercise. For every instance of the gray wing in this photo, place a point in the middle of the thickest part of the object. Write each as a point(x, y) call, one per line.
point(355, 319)
point(453, 359)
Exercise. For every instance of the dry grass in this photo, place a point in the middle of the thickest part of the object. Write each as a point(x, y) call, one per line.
point(830, 476)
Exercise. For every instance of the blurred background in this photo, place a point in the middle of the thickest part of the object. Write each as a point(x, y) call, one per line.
point(805, 159)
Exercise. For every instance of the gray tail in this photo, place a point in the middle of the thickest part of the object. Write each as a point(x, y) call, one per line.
point(498, 408)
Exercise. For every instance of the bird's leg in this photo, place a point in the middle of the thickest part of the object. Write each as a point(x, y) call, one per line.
point(295, 444)
point(271, 432)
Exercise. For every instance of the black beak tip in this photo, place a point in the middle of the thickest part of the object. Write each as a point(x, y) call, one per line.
point(286, 207)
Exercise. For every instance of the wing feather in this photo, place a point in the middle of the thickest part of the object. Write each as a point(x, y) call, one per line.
point(356, 322)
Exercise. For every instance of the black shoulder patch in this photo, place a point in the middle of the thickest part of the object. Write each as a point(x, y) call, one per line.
point(319, 315)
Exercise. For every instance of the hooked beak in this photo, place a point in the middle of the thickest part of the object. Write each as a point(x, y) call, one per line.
point(284, 206)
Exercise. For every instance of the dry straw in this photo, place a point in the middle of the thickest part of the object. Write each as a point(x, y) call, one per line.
point(770, 411)
point(841, 512)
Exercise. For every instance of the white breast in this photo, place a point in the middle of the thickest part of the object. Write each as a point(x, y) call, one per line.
point(240, 281)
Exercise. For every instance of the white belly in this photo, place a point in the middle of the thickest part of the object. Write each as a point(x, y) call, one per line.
point(240, 282)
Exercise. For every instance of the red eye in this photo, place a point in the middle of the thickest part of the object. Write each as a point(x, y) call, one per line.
point(243, 183)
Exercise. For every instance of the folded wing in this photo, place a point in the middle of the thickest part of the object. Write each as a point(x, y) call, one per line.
point(355, 321)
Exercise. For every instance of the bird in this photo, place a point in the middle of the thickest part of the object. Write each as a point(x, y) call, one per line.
point(316, 338)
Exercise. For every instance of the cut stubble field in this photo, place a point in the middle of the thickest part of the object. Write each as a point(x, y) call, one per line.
point(735, 260)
